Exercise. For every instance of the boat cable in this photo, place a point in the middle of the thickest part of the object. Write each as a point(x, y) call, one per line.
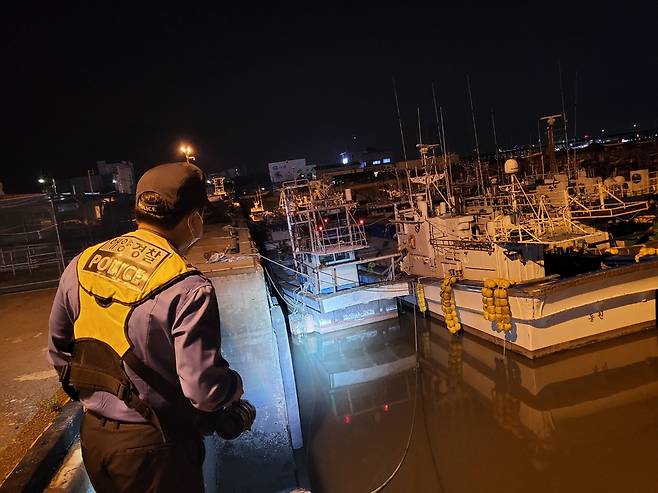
point(413, 416)
point(290, 305)
point(416, 385)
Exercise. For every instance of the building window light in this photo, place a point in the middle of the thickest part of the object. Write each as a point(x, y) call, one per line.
point(377, 161)
point(386, 160)
point(345, 160)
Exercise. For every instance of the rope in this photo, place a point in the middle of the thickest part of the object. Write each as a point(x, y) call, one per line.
point(413, 416)
point(293, 307)
point(27, 232)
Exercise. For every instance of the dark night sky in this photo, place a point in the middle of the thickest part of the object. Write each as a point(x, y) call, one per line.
point(249, 85)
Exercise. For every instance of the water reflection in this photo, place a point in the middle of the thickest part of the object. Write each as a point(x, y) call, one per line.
point(586, 420)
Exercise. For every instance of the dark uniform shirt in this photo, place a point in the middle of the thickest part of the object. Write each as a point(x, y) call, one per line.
point(176, 333)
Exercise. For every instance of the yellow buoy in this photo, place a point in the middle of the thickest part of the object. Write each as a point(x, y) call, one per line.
point(420, 296)
point(490, 283)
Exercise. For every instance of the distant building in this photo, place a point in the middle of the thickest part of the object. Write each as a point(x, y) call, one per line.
point(230, 173)
point(111, 177)
point(366, 157)
point(119, 176)
point(78, 185)
point(291, 169)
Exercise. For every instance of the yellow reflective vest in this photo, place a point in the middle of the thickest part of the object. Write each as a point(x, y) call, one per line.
point(119, 274)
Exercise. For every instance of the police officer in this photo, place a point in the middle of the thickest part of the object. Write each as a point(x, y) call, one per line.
point(134, 334)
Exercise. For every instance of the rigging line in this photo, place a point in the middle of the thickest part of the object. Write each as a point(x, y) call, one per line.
point(397, 107)
point(477, 143)
point(446, 162)
point(436, 116)
point(27, 232)
point(294, 307)
point(404, 146)
point(439, 129)
point(493, 124)
point(564, 117)
point(575, 107)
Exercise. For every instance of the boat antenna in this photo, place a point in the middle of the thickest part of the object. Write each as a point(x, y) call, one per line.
point(420, 135)
point(397, 108)
point(423, 157)
point(436, 116)
point(404, 146)
point(442, 142)
point(541, 152)
point(564, 116)
point(478, 170)
point(575, 107)
point(446, 159)
point(493, 125)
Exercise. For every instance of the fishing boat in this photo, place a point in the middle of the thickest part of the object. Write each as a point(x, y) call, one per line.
point(524, 267)
point(325, 280)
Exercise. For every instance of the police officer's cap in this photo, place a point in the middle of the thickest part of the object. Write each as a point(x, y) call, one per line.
point(177, 188)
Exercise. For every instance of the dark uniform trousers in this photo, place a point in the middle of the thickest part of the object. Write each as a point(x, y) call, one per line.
point(131, 457)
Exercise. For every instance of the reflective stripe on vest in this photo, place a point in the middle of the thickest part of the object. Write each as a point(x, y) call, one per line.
point(119, 274)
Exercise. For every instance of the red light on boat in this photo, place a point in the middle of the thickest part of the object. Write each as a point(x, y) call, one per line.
point(361, 222)
point(347, 420)
point(320, 228)
point(386, 408)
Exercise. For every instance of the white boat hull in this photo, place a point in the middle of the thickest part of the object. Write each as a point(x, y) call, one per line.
point(548, 317)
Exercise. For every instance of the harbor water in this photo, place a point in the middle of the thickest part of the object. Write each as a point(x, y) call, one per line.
point(474, 417)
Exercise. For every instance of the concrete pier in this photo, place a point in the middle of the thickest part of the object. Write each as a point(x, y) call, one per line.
point(261, 460)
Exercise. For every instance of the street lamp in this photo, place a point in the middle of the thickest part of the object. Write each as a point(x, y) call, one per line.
point(187, 150)
point(43, 181)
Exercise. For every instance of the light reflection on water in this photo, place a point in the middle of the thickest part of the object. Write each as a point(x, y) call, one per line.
point(584, 420)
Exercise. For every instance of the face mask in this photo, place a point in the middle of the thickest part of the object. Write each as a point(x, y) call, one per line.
point(195, 225)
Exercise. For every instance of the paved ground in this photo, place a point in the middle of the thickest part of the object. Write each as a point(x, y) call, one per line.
point(27, 382)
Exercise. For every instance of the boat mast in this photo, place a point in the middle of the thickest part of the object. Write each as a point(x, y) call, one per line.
point(447, 173)
point(493, 124)
point(446, 162)
point(436, 116)
point(564, 118)
point(575, 106)
point(541, 151)
point(478, 169)
point(404, 147)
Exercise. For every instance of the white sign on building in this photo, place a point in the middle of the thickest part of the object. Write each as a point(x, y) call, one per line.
point(291, 169)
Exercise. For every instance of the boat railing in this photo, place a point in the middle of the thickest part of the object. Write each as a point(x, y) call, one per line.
point(327, 275)
point(346, 236)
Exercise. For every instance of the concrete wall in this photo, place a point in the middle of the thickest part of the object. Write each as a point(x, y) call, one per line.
point(261, 460)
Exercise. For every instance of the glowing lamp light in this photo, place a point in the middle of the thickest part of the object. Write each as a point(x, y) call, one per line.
point(386, 408)
point(361, 222)
point(326, 220)
point(320, 228)
point(345, 160)
point(41, 180)
point(347, 420)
